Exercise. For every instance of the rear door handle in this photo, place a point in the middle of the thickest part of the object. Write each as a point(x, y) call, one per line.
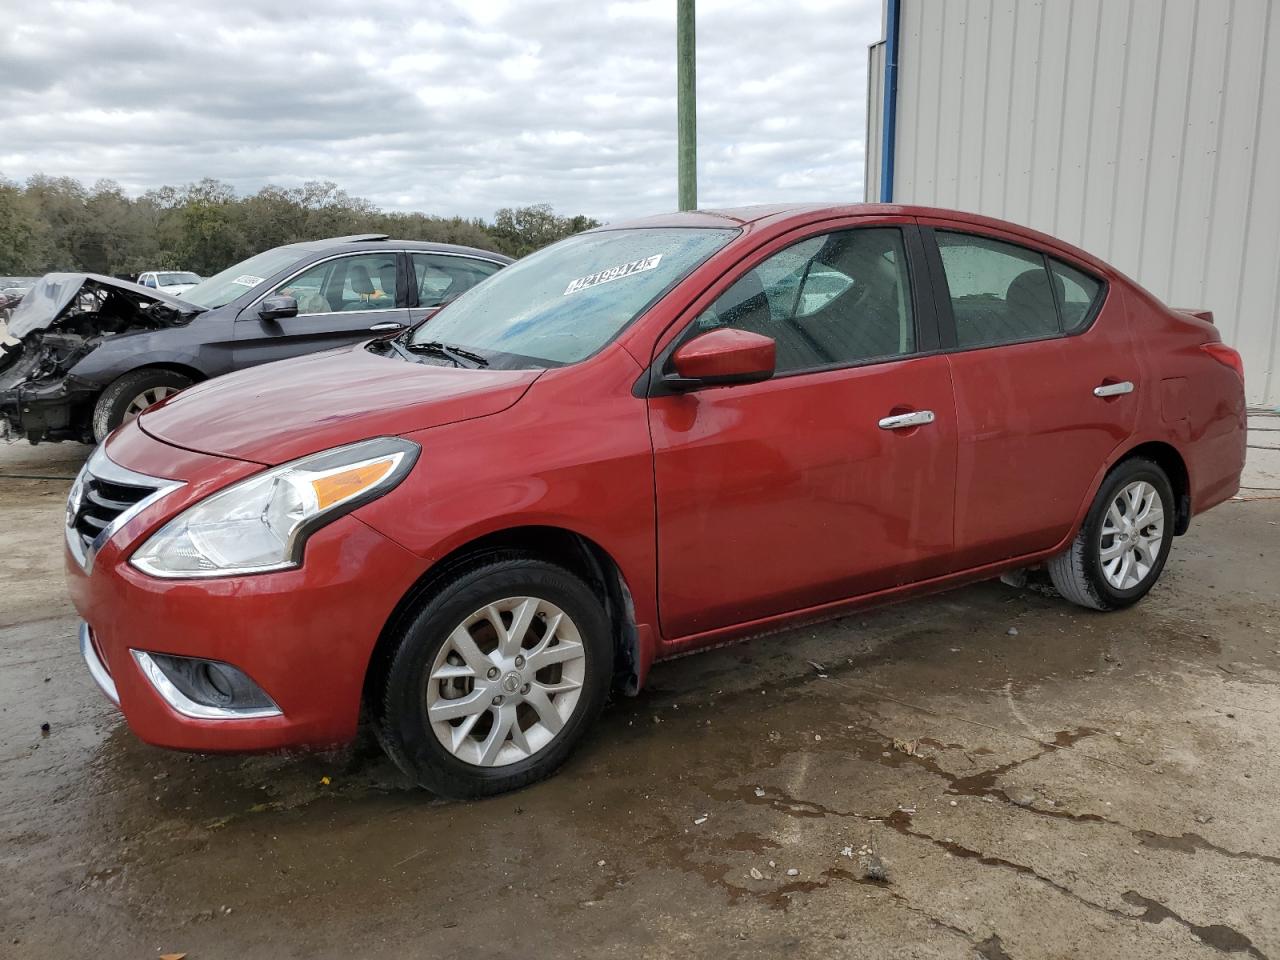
point(1113, 389)
point(916, 418)
point(385, 326)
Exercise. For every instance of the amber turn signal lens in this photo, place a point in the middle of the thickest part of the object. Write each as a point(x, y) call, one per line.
point(335, 487)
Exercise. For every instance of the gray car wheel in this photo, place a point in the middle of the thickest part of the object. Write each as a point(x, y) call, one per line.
point(1123, 543)
point(495, 678)
point(128, 396)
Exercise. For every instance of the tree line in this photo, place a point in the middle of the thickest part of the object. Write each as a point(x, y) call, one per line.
point(58, 224)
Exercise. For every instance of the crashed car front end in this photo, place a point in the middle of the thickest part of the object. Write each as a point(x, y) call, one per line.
point(38, 399)
point(63, 319)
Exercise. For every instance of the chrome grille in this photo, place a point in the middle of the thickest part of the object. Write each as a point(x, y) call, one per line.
point(104, 498)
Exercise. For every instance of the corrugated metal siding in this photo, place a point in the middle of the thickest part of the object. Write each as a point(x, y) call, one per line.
point(1145, 131)
point(875, 110)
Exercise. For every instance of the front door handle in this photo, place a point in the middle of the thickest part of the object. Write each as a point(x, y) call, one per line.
point(1113, 389)
point(916, 418)
point(385, 326)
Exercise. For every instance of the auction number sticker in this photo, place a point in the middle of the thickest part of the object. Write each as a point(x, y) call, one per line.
point(613, 273)
point(247, 281)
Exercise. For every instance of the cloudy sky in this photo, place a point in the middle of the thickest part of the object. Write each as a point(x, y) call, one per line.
point(451, 108)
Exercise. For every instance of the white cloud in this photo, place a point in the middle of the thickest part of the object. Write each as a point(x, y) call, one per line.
point(444, 107)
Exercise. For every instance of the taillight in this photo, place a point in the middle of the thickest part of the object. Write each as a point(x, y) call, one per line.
point(1225, 355)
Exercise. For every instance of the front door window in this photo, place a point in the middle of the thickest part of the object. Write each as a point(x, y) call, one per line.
point(362, 282)
point(833, 300)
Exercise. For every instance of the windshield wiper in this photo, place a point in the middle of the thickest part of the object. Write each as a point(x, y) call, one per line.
point(459, 356)
point(379, 344)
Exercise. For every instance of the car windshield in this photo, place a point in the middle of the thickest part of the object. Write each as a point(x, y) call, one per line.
point(224, 287)
point(171, 279)
point(562, 304)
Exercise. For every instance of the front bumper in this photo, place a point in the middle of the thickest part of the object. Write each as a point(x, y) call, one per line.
point(304, 636)
point(97, 669)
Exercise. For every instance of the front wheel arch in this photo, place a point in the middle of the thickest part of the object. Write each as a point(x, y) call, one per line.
point(578, 554)
point(104, 415)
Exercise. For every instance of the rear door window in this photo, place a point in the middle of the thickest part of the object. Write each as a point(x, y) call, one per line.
point(1000, 292)
point(440, 278)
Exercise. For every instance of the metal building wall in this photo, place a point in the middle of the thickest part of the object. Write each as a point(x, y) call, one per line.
point(875, 109)
point(1144, 131)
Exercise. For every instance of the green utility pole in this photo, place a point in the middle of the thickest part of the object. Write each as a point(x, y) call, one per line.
point(686, 106)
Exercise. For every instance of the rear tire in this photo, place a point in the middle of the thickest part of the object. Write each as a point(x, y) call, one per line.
point(469, 707)
point(1121, 548)
point(128, 396)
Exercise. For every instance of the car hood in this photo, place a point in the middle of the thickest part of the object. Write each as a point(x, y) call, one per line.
point(280, 411)
point(54, 292)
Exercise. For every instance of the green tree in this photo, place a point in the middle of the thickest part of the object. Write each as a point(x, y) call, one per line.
point(19, 226)
point(522, 230)
point(56, 223)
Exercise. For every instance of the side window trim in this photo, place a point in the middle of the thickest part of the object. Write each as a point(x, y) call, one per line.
point(924, 312)
point(404, 271)
point(949, 340)
point(1053, 292)
point(924, 306)
point(941, 293)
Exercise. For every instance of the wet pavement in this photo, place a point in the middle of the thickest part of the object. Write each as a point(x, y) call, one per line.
point(989, 773)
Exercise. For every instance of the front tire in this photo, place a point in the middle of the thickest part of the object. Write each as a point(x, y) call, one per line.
point(128, 396)
point(496, 678)
point(1121, 548)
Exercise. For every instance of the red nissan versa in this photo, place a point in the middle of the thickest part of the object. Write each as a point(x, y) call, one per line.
point(645, 439)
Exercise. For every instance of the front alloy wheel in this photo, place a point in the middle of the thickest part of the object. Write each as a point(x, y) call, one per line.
point(506, 681)
point(495, 678)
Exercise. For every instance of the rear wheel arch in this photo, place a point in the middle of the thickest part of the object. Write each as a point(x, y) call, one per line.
point(1167, 458)
point(1119, 551)
point(557, 545)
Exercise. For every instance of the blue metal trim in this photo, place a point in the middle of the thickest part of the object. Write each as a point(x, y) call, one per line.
point(889, 114)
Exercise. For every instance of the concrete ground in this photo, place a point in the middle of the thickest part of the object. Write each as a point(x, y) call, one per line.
point(1026, 779)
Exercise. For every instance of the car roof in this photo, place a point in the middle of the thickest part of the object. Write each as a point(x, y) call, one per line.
point(380, 241)
point(787, 215)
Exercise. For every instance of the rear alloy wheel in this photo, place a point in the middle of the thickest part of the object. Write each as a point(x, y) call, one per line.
point(1131, 536)
point(1124, 542)
point(496, 679)
point(129, 396)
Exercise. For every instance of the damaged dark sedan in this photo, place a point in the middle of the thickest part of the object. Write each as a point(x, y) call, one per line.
point(86, 353)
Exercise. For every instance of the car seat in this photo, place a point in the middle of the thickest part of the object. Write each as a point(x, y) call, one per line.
point(387, 281)
point(1029, 305)
point(358, 278)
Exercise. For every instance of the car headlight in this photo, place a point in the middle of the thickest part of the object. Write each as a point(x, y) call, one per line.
point(262, 523)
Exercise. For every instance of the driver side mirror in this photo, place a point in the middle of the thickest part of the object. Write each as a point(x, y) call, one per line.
point(721, 357)
point(277, 308)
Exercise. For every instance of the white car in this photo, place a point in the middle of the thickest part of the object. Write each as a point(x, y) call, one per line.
point(173, 282)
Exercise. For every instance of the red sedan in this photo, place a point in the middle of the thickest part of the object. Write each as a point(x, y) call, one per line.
point(646, 439)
